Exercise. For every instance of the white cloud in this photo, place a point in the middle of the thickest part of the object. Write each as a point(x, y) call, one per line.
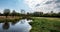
point(43, 5)
point(32, 3)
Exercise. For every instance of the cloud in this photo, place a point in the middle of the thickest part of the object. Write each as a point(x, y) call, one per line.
point(48, 2)
point(58, 1)
point(33, 3)
point(44, 5)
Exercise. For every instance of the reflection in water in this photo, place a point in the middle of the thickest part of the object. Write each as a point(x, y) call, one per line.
point(14, 22)
point(20, 26)
point(6, 25)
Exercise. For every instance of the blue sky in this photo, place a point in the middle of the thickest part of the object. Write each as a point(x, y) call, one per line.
point(13, 5)
point(31, 5)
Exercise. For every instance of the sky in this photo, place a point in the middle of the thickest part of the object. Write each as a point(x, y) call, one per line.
point(13, 5)
point(31, 5)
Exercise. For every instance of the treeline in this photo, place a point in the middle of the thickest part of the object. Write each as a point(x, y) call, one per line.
point(7, 12)
point(41, 14)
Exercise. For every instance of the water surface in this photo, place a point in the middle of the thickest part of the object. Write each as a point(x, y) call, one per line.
point(20, 26)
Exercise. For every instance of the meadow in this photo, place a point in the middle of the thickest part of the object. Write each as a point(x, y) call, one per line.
point(9, 19)
point(45, 24)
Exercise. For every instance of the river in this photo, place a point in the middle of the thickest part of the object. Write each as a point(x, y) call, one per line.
point(20, 26)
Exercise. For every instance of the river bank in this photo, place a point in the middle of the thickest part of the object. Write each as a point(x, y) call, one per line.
point(44, 24)
point(9, 18)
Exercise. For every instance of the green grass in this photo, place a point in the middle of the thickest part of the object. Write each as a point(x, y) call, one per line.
point(43, 24)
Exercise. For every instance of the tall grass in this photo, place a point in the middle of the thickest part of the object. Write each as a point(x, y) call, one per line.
point(9, 19)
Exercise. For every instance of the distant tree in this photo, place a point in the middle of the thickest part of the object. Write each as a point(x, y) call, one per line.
point(27, 12)
point(0, 14)
point(22, 11)
point(38, 14)
point(13, 13)
point(52, 12)
point(6, 12)
point(41, 13)
point(58, 14)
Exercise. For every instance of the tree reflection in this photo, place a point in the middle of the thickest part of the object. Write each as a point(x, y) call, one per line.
point(6, 25)
point(14, 22)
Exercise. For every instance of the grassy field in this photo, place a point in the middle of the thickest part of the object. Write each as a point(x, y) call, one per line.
point(43, 24)
point(9, 18)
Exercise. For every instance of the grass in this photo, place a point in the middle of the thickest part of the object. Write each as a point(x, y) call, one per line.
point(43, 24)
point(9, 19)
